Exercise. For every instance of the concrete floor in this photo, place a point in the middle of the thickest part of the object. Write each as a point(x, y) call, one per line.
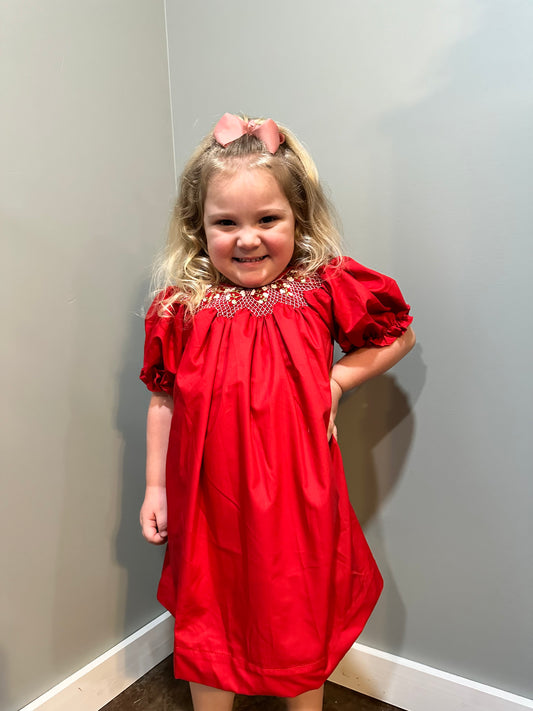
point(159, 691)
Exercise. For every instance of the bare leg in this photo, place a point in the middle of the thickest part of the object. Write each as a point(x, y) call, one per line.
point(207, 698)
point(308, 701)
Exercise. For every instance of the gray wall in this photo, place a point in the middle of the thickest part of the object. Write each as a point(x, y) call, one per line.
point(87, 181)
point(419, 116)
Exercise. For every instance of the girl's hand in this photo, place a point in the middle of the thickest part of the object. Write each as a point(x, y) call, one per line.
point(336, 394)
point(154, 515)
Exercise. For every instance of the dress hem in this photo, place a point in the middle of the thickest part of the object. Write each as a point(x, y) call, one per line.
point(221, 671)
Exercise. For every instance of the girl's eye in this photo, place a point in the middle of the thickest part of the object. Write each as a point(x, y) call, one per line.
point(269, 218)
point(225, 223)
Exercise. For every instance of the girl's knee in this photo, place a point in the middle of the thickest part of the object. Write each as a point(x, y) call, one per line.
point(308, 701)
point(207, 698)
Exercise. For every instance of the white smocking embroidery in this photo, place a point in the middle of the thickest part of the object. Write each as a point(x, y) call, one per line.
point(287, 289)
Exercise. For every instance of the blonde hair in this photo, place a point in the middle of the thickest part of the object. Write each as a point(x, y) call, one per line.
point(184, 263)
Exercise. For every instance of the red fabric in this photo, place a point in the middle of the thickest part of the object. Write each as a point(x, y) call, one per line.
point(267, 571)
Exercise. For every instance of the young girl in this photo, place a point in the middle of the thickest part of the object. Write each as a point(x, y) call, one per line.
point(267, 572)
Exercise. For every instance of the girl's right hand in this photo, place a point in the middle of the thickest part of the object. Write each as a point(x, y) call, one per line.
point(154, 515)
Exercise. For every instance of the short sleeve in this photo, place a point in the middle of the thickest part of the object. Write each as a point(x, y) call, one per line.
point(162, 348)
point(367, 307)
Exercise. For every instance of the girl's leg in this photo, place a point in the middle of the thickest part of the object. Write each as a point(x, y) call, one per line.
point(207, 698)
point(308, 701)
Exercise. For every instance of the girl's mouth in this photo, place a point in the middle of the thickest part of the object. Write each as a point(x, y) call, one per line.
point(248, 260)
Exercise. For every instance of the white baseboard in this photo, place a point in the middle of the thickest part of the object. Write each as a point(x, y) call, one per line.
point(100, 681)
point(394, 680)
point(416, 687)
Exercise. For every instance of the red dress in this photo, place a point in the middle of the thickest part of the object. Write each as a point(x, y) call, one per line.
point(267, 571)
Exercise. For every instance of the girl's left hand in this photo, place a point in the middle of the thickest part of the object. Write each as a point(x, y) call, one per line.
point(336, 394)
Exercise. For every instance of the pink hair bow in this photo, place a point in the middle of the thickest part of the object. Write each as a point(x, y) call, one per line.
point(231, 127)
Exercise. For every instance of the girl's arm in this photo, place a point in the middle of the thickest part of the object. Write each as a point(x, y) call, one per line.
point(359, 366)
point(154, 509)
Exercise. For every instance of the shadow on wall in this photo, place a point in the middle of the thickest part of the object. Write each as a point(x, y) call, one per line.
point(376, 426)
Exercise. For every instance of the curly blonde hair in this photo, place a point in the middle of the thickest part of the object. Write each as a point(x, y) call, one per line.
point(184, 263)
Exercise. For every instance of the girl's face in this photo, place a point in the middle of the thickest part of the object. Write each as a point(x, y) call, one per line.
point(249, 226)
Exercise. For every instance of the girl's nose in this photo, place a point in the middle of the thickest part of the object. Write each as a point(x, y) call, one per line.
point(248, 238)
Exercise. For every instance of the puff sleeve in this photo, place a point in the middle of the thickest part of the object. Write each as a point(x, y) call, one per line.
point(367, 308)
point(162, 348)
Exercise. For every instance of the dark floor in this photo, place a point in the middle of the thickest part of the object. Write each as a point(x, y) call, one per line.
point(159, 691)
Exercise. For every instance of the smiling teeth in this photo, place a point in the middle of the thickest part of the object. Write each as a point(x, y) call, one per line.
point(243, 259)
